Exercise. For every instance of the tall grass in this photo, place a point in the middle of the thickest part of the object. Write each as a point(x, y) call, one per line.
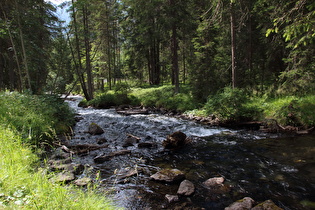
point(36, 118)
point(23, 187)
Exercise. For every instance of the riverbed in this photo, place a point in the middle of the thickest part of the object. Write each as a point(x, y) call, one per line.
point(254, 164)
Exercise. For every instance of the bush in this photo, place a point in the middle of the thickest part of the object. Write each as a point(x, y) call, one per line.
point(109, 99)
point(232, 105)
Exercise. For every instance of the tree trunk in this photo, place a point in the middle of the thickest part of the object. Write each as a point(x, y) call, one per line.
point(79, 69)
point(233, 46)
point(23, 49)
point(87, 52)
point(174, 48)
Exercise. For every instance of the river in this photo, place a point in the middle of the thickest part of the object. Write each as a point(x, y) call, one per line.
point(254, 164)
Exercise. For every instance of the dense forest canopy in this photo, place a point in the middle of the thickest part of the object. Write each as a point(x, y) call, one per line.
point(258, 45)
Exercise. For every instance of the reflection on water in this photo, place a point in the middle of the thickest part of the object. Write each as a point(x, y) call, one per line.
point(254, 165)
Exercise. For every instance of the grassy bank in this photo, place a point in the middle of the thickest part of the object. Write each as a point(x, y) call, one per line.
point(229, 105)
point(22, 186)
point(26, 123)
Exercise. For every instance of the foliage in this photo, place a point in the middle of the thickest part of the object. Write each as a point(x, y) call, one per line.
point(22, 187)
point(232, 105)
point(37, 118)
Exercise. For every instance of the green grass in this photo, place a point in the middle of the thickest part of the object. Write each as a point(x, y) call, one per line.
point(24, 187)
point(158, 97)
point(291, 110)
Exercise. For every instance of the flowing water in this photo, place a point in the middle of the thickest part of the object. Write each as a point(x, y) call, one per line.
point(253, 164)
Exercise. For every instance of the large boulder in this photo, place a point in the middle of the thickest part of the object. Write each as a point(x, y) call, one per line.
point(245, 203)
point(168, 175)
point(186, 188)
point(95, 129)
point(175, 140)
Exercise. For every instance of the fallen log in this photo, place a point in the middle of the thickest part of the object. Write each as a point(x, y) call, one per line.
point(82, 148)
point(103, 158)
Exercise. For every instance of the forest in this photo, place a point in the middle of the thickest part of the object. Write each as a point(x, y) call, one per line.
point(201, 49)
point(222, 63)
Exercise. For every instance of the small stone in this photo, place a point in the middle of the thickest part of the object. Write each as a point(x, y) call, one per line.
point(213, 182)
point(186, 188)
point(83, 182)
point(245, 203)
point(169, 175)
point(171, 198)
point(101, 141)
point(64, 177)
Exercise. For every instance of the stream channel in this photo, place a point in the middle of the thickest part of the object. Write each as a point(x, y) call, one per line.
point(254, 164)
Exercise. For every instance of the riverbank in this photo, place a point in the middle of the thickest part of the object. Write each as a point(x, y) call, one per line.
point(28, 124)
point(229, 107)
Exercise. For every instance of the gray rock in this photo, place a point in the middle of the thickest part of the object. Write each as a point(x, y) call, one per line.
point(243, 204)
point(186, 188)
point(168, 175)
point(95, 129)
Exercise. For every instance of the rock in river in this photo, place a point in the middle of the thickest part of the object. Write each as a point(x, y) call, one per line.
point(95, 129)
point(213, 182)
point(186, 188)
point(175, 140)
point(168, 175)
point(245, 203)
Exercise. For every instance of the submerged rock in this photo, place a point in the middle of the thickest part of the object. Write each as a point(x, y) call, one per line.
point(168, 175)
point(245, 203)
point(267, 205)
point(95, 129)
point(175, 140)
point(186, 188)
